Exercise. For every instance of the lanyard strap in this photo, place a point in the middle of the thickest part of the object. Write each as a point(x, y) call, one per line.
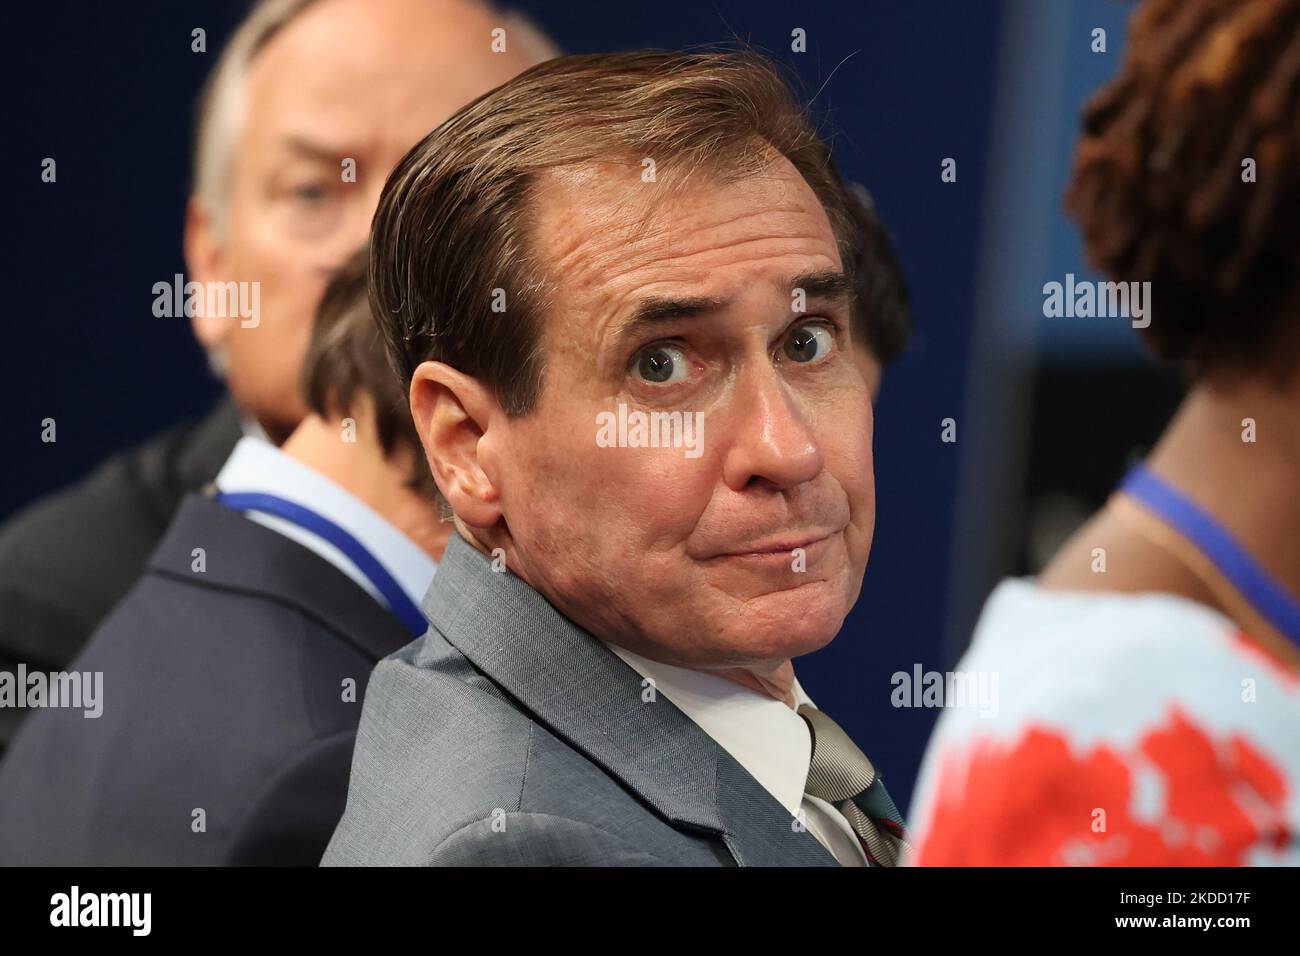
point(1264, 594)
point(397, 599)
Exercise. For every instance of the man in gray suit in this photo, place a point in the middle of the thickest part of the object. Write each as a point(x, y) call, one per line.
point(620, 289)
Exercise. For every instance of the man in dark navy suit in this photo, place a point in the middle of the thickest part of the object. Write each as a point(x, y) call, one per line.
point(230, 678)
point(302, 86)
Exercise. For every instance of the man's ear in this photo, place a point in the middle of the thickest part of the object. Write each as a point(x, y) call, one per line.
point(452, 413)
point(203, 261)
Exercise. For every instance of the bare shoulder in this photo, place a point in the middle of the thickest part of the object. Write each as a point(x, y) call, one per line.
point(1106, 554)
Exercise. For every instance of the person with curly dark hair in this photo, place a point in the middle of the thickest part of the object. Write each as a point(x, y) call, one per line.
point(1149, 706)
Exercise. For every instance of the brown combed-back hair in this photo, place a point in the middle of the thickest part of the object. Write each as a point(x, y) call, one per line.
point(453, 221)
point(1158, 190)
point(346, 359)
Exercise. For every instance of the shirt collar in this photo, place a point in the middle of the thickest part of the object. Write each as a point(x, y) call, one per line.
point(258, 466)
point(250, 427)
point(766, 737)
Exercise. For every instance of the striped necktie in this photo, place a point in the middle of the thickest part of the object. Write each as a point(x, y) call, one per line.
point(841, 774)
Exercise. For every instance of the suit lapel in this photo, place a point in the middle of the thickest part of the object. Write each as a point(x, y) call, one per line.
point(244, 556)
point(584, 694)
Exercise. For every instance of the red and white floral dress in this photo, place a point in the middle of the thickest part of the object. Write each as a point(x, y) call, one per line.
point(1130, 730)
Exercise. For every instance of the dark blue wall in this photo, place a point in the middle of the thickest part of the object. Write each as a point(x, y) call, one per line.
point(107, 90)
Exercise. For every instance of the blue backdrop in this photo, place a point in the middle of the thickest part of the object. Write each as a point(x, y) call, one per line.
point(108, 91)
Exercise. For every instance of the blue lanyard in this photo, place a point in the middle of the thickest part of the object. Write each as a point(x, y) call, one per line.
point(1255, 584)
point(398, 601)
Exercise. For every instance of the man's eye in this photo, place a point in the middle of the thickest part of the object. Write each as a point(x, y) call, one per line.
point(661, 364)
point(310, 193)
point(808, 343)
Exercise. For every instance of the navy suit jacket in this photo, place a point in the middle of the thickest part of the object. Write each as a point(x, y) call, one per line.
point(67, 559)
point(227, 727)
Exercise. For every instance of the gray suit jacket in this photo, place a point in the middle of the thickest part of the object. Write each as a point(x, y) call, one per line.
point(509, 736)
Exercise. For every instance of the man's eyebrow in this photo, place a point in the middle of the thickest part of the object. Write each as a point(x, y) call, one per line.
point(313, 149)
point(664, 309)
point(828, 284)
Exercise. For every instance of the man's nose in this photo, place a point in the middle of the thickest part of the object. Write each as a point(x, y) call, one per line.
point(771, 438)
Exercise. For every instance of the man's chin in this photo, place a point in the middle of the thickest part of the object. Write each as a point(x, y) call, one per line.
point(788, 623)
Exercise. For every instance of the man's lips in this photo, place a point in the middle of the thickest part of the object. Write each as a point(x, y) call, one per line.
point(769, 547)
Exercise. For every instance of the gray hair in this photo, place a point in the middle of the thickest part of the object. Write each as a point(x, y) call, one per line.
point(222, 102)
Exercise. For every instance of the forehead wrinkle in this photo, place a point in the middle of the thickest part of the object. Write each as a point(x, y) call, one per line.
point(619, 306)
point(636, 247)
point(614, 298)
point(733, 246)
point(654, 251)
point(681, 270)
point(792, 210)
point(644, 224)
point(617, 294)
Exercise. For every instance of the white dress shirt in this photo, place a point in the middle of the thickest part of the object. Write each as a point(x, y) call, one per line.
point(252, 428)
point(258, 466)
point(765, 736)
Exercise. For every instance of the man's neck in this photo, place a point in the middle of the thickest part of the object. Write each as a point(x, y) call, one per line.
point(1250, 487)
point(774, 680)
point(360, 468)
